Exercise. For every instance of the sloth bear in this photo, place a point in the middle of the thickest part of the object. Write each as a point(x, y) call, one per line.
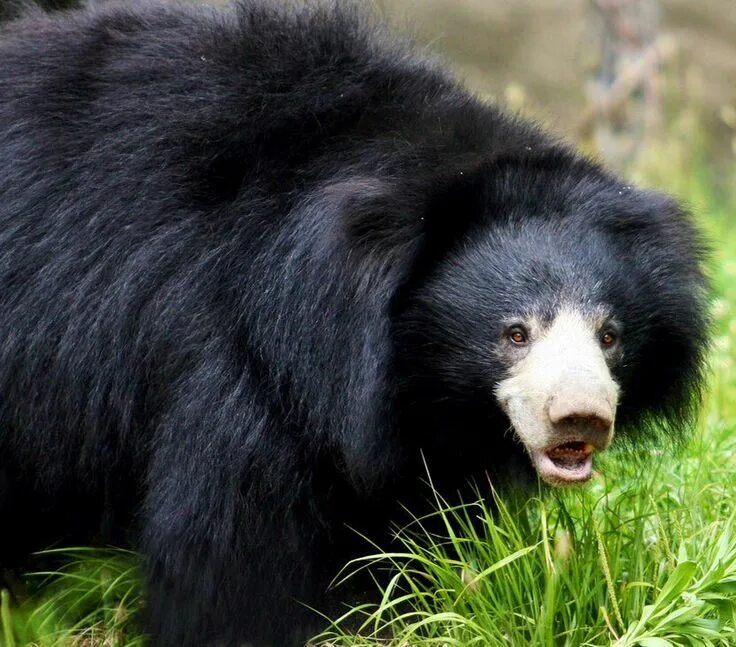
point(259, 263)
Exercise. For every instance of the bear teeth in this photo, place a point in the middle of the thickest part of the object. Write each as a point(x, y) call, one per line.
point(570, 455)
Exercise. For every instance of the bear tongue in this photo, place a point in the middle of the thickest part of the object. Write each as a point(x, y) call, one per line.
point(568, 463)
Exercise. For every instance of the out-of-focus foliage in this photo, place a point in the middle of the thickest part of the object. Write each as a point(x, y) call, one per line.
point(550, 49)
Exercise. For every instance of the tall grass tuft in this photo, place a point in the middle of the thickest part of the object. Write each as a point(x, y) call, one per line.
point(91, 600)
point(638, 558)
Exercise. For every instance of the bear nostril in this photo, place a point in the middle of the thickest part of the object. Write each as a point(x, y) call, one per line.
point(585, 422)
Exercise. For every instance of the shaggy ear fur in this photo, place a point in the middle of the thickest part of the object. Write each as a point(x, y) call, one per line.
point(391, 234)
point(654, 258)
point(387, 233)
point(665, 289)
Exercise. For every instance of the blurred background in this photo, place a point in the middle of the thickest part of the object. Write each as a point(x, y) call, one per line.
point(611, 70)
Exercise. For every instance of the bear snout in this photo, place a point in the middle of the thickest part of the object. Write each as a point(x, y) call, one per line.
point(582, 414)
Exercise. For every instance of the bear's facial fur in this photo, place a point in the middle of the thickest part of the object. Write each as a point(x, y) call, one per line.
point(559, 394)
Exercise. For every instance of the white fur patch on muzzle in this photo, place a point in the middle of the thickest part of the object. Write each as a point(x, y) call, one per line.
point(561, 398)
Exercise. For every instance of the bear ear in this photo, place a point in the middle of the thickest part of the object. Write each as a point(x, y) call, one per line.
point(666, 290)
point(425, 214)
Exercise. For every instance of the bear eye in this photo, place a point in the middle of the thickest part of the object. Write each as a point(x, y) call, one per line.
point(608, 338)
point(517, 335)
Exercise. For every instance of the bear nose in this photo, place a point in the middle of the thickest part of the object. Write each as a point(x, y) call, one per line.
point(580, 412)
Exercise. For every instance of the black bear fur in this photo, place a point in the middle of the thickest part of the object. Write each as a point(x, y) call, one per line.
point(234, 301)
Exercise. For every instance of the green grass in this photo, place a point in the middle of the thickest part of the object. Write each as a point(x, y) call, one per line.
point(643, 555)
point(646, 555)
point(90, 600)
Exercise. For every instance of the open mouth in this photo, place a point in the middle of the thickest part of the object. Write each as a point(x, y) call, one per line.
point(567, 463)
